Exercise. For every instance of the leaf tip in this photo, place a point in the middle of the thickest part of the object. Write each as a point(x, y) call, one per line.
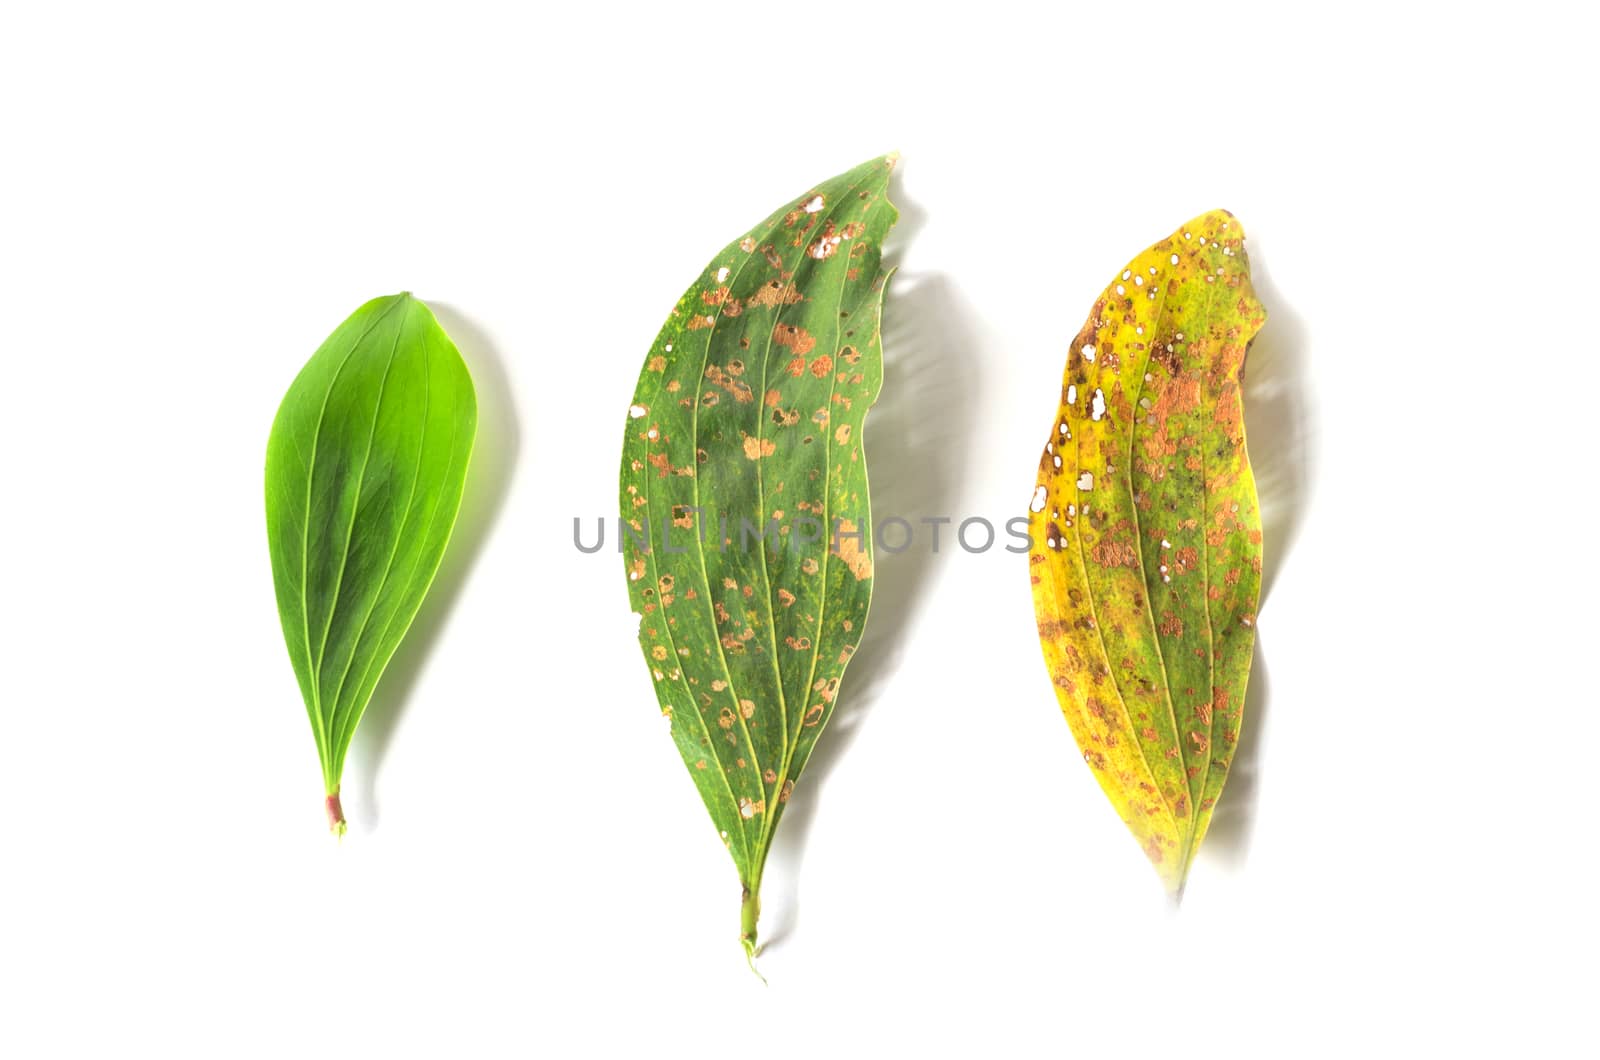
point(1217, 224)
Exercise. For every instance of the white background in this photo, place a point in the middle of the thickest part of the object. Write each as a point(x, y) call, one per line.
point(193, 198)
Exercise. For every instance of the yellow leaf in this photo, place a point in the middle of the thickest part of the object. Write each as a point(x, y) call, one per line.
point(1145, 553)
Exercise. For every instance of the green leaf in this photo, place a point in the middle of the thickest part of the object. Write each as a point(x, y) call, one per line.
point(748, 414)
point(365, 467)
point(1146, 538)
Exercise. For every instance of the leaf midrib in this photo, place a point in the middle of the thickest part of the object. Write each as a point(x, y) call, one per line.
point(1094, 615)
point(346, 726)
point(355, 507)
point(444, 544)
point(314, 669)
point(1209, 414)
point(769, 826)
point(756, 856)
point(1144, 572)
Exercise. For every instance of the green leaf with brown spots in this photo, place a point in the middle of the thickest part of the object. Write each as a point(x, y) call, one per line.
point(744, 501)
point(1145, 557)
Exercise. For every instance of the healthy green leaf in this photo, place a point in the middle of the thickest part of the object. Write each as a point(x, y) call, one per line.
point(745, 483)
point(365, 467)
point(1146, 539)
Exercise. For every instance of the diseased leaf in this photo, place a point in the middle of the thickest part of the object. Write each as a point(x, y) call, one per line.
point(748, 418)
point(365, 467)
point(1146, 540)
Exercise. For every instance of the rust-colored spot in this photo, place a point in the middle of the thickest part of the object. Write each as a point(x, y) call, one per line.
point(847, 546)
point(1111, 553)
point(725, 379)
point(795, 338)
point(775, 293)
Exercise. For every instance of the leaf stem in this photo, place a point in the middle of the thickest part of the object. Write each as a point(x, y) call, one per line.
point(749, 913)
point(335, 814)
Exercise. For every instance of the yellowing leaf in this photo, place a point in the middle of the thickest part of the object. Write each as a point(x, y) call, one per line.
point(1145, 557)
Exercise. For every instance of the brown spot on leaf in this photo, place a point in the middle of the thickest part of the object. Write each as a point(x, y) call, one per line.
point(775, 293)
point(725, 379)
point(1112, 553)
point(847, 546)
point(795, 338)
